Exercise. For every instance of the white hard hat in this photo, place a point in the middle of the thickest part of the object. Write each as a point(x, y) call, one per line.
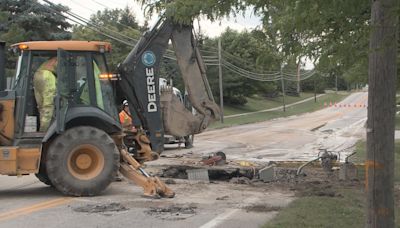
point(125, 103)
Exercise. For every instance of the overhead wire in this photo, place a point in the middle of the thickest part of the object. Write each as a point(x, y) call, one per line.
point(210, 60)
point(276, 78)
point(90, 27)
point(123, 25)
point(84, 20)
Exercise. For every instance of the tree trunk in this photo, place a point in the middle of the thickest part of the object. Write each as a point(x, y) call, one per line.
point(381, 114)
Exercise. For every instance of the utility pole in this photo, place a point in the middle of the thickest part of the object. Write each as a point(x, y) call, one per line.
point(283, 91)
point(3, 79)
point(379, 165)
point(221, 92)
point(336, 82)
point(298, 76)
point(315, 91)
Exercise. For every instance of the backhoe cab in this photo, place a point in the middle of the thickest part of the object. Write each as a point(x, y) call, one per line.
point(79, 148)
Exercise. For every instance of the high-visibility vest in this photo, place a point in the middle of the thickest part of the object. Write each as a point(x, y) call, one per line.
point(125, 119)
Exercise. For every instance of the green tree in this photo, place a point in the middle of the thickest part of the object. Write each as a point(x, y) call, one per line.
point(333, 33)
point(184, 11)
point(120, 23)
point(247, 51)
point(26, 20)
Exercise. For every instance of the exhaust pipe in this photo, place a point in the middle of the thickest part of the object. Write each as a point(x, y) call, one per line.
point(3, 80)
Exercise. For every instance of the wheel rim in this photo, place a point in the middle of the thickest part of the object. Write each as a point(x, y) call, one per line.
point(85, 162)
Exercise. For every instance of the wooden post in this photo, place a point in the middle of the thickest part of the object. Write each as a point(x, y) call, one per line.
point(315, 91)
point(336, 89)
point(298, 76)
point(3, 79)
point(221, 91)
point(379, 165)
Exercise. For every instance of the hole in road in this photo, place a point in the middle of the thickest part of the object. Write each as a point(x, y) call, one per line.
point(214, 174)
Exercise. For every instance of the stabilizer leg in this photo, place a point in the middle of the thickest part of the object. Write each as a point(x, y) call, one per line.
point(152, 186)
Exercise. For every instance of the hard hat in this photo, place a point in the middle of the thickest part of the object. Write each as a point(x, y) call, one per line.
point(125, 103)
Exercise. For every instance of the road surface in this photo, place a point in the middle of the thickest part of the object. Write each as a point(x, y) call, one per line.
point(25, 202)
point(297, 138)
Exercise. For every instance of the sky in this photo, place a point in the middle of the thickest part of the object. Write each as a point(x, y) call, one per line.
point(85, 8)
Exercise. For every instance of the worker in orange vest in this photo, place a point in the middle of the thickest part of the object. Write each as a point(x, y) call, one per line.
point(125, 118)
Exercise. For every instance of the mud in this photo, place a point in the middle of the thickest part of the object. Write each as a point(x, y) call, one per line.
point(240, 180)
point(174, 212)
point(314, 182)
point(101, 208)
point(214, 173)
point(222, 198)
point(318, 127)
point(260, 208)
point(170, 181)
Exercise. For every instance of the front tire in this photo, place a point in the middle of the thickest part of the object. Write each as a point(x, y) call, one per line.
point(82, 161)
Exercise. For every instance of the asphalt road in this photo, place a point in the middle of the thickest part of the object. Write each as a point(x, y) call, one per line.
point(25, 202)
point(298, 138)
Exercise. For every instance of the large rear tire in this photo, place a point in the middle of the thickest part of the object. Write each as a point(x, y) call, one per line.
point(82, 161)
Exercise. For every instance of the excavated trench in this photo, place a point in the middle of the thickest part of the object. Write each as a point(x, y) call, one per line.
point(215, 173)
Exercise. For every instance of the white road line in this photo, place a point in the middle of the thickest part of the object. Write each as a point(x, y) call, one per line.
point(228, 213)
point(220, 218)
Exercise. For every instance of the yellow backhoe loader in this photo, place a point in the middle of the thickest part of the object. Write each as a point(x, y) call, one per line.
point(82, 148)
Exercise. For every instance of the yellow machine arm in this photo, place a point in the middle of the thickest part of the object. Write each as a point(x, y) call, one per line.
point(133, 171)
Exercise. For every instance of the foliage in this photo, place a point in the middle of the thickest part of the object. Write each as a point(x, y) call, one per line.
point(114, 22)
point(184, 11)
point(333, 33)
point(26, 20)
point(254, 56)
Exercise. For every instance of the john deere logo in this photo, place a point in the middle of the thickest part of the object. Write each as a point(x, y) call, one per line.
point(148, 58)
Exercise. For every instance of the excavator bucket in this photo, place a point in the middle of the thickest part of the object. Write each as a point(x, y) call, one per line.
point(178, 120)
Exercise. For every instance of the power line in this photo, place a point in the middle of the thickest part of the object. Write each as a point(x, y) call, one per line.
point(249, 72)
point(80, 23)
point(86, 21)
point(209, 60)
point(107, 7)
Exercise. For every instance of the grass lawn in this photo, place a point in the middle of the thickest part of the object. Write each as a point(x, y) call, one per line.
point(322, 211)
point(260, 103)
point(256, 104)
point(361, 155)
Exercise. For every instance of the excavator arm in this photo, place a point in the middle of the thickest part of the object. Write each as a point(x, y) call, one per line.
point(159, 111)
